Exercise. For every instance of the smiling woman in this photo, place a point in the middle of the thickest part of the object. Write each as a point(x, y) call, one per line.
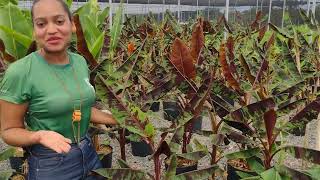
point(49, 89)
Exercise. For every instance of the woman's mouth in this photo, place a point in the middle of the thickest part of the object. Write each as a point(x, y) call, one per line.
point(53, 40)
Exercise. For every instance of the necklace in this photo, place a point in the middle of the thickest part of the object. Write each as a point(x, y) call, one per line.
point(76, 115)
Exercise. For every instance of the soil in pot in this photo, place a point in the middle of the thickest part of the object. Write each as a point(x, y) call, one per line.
point(141, 149)
point(237, 165)
point(183, 165)
point(106, 152)
point(171, 110)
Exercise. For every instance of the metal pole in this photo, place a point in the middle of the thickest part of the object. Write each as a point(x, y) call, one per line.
point(269, 16)
point(314, 8)
point(226, 15)
point(197, 9)
point(283, 12)
point(308, 8)
point(209, 10)
point(127, 7)
point(110, 13)
point(163, 2)
point(179, 10)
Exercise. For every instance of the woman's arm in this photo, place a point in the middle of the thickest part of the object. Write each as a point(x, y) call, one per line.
point(100, 117)
point(13, 131)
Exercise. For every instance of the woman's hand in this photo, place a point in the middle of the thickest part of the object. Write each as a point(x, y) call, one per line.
point(54, 141)
point(100, 117)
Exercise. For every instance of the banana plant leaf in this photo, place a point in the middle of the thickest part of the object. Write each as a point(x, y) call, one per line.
point(243, 154)
point(15, 30)
point(121, 173)
point(5, 175)
point(310, 155)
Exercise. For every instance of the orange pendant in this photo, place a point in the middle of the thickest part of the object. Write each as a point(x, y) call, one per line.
point(76, 116)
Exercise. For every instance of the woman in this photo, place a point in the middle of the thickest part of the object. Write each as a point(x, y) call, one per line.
point(50, 90)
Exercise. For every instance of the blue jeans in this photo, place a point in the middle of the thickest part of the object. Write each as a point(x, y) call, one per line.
point(46, 164)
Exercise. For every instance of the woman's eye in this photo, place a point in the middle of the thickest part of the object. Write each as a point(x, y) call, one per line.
point(60, 22)
point(40, 24)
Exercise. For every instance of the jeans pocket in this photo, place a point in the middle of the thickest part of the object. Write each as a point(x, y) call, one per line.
point(48, 163)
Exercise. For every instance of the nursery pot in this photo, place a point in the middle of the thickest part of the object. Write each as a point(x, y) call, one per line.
point(183, 165)
point(155, 106)
point(141, 149)
point(16, 163)
point(197, 124)
point(232, 171)
point(17, 176)
point(106, 152)
point(171, 110)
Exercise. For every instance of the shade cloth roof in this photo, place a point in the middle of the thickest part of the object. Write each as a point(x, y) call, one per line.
point(212, 2)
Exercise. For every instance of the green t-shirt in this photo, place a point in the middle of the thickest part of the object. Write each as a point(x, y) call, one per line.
point(47, 88)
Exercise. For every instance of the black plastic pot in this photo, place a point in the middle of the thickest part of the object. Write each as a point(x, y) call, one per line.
point(184, 169)
point(106, 160)
point(155, 106)
point(16, 163)
point(171, 110)
point(197, 124)
point(232, 174)
point(141, 149)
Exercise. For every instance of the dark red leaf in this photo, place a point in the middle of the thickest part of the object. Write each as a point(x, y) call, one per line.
point(246, 68)
point(262, 32)
point(256, 22)
point(230, 47)
point(226, 69)
point(181, 58)
point(82, 44)
point(32, 47)
point(264, 67)
point(197, 42)
point(270, 118)
point(304, 153)
point(7, 57)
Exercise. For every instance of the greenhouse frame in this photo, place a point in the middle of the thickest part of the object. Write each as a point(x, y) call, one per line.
point(160, 89)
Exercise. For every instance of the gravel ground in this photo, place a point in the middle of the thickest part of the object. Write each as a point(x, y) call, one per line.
point(146, 164)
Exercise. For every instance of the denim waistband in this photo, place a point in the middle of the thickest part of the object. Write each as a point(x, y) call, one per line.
point(39, 149)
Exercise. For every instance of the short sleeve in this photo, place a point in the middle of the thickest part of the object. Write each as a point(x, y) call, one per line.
point(14, 86)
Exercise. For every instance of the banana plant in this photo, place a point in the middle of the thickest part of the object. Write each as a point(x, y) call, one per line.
point(15, 30)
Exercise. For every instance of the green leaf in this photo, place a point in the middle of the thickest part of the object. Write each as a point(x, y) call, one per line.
point(198, 174)
point(103, 15)
point(119, 116)
point(123, 173)
point(116, 30)
point(19, 37)
point(194, 156)
point(255, 165)
point(5, 175)
point(95, 49)
point(176, 139)
point(5, 2)
point(13, 18)
point(123, 164)
point(149, 130)
point(270, 174)
point(69, 3)
point(171, 171)
point(135, 130)
point(243, 154)
point(10, 152)
point(217, 139)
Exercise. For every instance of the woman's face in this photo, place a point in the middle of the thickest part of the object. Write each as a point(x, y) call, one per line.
point(52, 27)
